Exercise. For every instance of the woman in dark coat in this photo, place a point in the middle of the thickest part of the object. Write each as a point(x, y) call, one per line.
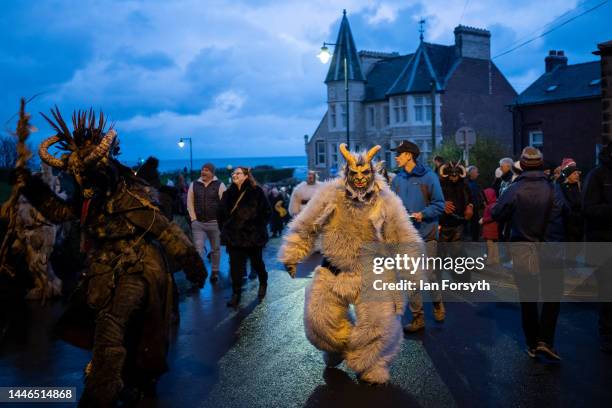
point(243, 217)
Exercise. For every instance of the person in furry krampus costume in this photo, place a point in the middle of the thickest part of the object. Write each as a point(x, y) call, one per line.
point(348, 213)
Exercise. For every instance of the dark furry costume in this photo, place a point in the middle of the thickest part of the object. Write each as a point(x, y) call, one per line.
point(127, 285)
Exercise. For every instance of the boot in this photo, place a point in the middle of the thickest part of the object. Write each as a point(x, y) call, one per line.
point(262, 291)
point(332, 359)
point(103, 383)
point(417, 324)
point(234, 301)
point(439, 312)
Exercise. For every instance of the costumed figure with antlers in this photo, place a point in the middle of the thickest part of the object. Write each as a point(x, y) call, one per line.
point(126, 285)
point(458, 206)
point(347, 214)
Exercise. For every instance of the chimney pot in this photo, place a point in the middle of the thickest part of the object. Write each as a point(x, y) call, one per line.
point(561, 53)
point(552, 52)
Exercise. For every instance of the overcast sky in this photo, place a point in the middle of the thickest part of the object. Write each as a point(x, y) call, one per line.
point(241, 77)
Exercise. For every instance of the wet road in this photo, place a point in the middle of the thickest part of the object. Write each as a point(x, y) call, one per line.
point(258, 356)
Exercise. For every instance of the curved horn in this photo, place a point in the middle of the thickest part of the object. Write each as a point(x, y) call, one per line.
point(350, 159)
point(372, 152)
point(102, 149)
point(441, 170)
point(463, 171)
point(43, 152)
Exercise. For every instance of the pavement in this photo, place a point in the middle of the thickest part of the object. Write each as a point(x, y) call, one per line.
point(258, 356)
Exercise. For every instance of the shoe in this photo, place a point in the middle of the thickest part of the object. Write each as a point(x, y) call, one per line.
point(546, 351)
point(252, 275)
point(417, 324)
point(234, 301)
point(439, 312)
point(332, 359)
point(531, 352)
point(262, 291)
point(214, 277)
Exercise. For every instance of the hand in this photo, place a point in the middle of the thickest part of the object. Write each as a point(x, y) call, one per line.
point(449, 207)
point(480, 221)
point(469, 212)
point(196, 273)
point(291, 269)
point(417, 216)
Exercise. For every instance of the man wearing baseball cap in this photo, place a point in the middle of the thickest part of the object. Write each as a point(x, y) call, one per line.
point(420, 191)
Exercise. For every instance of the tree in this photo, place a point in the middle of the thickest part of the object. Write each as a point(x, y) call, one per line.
point(484, 154)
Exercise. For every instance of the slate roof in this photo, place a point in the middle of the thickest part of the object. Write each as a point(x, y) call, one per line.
point(572, 82)
point(345, 47)
point(411, 73)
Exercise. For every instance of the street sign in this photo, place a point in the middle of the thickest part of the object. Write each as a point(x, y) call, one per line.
point(465, 136)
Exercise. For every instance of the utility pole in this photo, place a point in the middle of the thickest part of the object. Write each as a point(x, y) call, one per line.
point(433, 114)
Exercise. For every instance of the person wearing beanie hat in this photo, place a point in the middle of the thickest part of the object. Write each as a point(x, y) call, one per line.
point(531, 159)
point(203, 199)
point(532, 208)
point(569, 186)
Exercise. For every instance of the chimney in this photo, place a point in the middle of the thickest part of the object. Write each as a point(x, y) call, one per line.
point(605, 51)
point(472, 42)
point(555, 59)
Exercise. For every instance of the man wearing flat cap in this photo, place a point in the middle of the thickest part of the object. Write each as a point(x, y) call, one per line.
point(420, 191)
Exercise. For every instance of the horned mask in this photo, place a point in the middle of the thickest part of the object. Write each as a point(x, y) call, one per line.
point(85, 148)
point(359, 173)
point(452, 171)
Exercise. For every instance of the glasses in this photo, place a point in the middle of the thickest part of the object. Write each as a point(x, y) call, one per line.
point(236, 173)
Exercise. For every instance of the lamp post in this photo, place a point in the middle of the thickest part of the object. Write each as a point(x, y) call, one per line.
point(324, 57)
point(181, 144)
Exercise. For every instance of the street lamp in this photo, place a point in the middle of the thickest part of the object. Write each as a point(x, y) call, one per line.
point(324, 56)
point(181, 144)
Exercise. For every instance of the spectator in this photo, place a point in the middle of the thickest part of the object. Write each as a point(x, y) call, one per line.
point(490, 230)
point(597, 207)
point(243, 216)
point(571, 192)
point(149, 173)
point(438, 161)
point(504, 180)
point(477, 199)
point(530, 206)
point(302, 193)
point(203, 199)
point(419, 189)
point(279, 212)
point(458, 208)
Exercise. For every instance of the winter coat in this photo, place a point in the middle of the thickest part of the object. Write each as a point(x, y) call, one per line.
point(532, 208)
point(573, 219)
point(420, 191)
point(490, 229)
point(502, 183)
point(459, 194)
point(597, 199)
point(246, 226)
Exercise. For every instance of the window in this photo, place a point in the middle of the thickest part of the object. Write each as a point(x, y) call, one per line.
point(422, 108)
point(595, 82)
point(386, 115)
point(536, 139)
point(371, 117)
point(333, 149)
point(551, 88)
point(319, 152)
point(332, 116)
point(400, 109)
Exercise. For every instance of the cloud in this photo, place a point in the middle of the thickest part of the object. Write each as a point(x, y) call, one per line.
point(221, 68)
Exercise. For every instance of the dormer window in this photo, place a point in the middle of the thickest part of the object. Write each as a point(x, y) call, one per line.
point(552, 88)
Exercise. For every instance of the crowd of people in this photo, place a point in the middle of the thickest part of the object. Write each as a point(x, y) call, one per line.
point(132, 245)
point(526, 204)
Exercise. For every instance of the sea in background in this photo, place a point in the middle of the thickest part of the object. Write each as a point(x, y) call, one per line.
point(299, 163)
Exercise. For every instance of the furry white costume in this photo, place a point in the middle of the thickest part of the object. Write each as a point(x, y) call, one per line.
point(346, 214)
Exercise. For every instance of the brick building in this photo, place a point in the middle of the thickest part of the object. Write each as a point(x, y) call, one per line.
point(391, 97)
point(560, 113)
